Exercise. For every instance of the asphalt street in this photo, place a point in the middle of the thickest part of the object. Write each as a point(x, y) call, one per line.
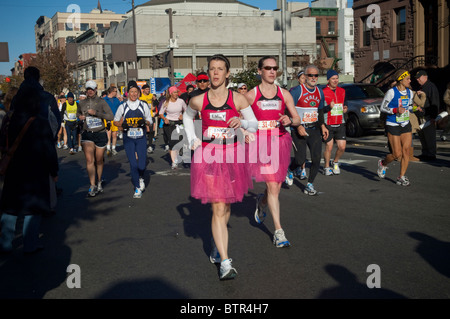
point(357, 230)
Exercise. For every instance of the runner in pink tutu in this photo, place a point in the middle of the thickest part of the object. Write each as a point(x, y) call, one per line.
point(218, 171)
point(269, 156)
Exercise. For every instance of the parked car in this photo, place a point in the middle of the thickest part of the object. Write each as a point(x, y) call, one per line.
point(363, 101)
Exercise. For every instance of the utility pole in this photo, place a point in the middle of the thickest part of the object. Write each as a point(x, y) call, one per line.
point(283, 45)
point(171, 68)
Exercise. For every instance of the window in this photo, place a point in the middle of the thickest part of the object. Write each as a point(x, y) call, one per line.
point(401, 24)
point(182, 62)
point(351, 29)
point(69, 27)
point(332, 50)
point(99, 25)
point(331, 27)
point(84, 26)
point(318, 50)
point(366, 32)
point(318, 32)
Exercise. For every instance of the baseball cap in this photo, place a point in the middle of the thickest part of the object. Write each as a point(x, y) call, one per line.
point(91, 85)
point(70, 94)
point(331, 73)
point(241, 85)
point(420, 73)
point(132, 84)
point(202, 76)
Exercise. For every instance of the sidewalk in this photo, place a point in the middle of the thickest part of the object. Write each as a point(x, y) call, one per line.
point(379, 139)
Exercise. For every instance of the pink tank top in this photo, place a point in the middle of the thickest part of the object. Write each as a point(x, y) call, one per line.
point(214, 121)
point(268, 110)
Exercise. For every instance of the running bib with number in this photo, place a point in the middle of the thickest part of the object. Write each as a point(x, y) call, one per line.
point(93, 122)
point(135, 132)
point(402, 117)
point(220, 132)
point(268, 125)
point(338, 109)
point(72, 116)
point(307, 114)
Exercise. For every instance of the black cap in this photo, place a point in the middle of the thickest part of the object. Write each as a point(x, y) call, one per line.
point(132, 84)
point(420, 73)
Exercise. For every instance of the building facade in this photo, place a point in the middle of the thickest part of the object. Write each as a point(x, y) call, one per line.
point(200, 29)
point(391, 34)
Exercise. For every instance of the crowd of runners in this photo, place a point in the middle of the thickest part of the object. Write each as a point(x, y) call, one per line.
point(231, 139)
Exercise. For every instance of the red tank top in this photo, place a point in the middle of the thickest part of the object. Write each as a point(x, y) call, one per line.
point(335, 116)
point(266, 109)
point(214, 121)
point(308, 104)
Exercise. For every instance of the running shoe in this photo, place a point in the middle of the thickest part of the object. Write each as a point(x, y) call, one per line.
point(137, 193)
point(141, 184)
point(289, 178)
point(150, 150)
point(166, 148)
point(403, 181)
point(280, 240)
point(80, 148)
point(214, 256)
point(72, 151)
point(303, 174)
point(113, 151)
point(65, 147)
point(309, 190)
point(99, 187)
point(59, 145)
point(336, 169)
point(174, 165)
point(227, 271)
point(92, 191)
point(327, 171)
point(260, 213)
point(381, 169)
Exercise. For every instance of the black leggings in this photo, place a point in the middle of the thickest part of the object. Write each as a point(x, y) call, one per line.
point(314, 143)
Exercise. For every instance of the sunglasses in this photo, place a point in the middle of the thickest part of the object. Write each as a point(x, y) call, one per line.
point(202, 81)
point(243, 88)
point(312, 75)
point(268, 68)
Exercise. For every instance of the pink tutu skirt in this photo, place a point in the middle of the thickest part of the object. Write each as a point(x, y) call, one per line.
point(269, 156)
point(219, 173)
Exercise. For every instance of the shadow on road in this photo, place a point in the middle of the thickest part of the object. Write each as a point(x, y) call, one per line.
point(349, 287)
point(433, 251)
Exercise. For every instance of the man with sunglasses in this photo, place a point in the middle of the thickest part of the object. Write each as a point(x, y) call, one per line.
point(202, 85)
point(309, 101)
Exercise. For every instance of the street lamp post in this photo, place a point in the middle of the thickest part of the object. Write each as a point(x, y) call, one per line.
point(283, 31)
point(171, 68)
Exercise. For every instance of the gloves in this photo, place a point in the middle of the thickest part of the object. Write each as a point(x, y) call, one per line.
point(125, 126)
point(141, 123)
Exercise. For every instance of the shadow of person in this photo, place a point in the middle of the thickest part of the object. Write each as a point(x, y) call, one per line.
point(349, 287)
point(433, 251)
point(143, 289)
point(197, 221)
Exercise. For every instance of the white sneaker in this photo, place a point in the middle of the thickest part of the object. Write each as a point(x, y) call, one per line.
point(80, 148)
point(336, 169)
point(99, 187)
point(141, 184)
point(113, 151)
point(227, 271)
point(280, 240)
point(303, 174)
point(327, 171)
point(65, 147)
point(166, 148)
point(137, 193)
point(59, 145)
point(289, 178)
point(174, 165)
point(381, 169)
point(150, 150)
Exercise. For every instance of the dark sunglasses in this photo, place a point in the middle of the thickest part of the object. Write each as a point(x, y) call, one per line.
point(243, 88)
point(312, 75)
point(202, 81)
point(268, 68)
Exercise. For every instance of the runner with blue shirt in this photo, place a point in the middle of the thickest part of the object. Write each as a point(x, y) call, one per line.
point(397, 103)
point(132, 117)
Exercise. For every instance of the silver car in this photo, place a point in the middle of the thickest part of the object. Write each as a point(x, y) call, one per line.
point(363, 102)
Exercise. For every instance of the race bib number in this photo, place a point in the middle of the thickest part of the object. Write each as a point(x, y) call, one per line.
point(338, 109)
point(135, 132)
point(307, 115)
point(270, 105)
point(72, 116)
point(220, 132)
point(268, 125)
point(93, 122)
point(402, 117)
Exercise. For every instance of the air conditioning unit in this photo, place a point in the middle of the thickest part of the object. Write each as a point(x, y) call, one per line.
point(330, 32)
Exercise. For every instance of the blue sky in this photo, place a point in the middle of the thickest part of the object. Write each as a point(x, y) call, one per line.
point(18, 17)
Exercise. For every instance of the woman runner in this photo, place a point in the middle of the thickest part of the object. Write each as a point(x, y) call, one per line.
point(218, 175)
